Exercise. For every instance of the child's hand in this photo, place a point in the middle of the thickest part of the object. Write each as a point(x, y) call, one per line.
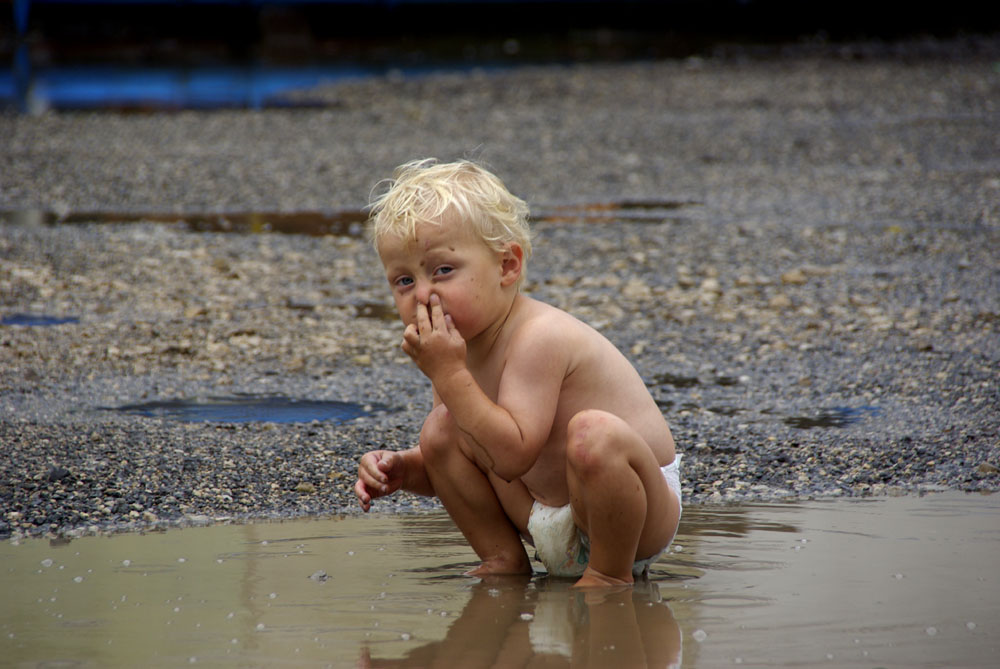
point(433, 341)
point(380, 473)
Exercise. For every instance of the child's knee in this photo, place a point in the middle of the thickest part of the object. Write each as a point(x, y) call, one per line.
point(438, 434)
point(590, 439)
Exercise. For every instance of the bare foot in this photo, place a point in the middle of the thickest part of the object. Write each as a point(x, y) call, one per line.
point(594, 579)
point(501, 567)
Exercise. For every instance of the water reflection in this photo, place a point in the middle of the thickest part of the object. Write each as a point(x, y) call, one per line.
point(519, 623)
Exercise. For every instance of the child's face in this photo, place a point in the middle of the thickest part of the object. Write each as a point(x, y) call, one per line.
point(451, 262)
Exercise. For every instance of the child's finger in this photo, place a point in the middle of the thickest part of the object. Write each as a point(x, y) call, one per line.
point(411, 333)
point(437, 314)
point(370, 472)
point(423, 319)
point(364, 499)
point(411, 340)
point(384, 466)
point(377, 469)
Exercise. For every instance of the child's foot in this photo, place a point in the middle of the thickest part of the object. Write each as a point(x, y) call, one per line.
point(594, 579)
point(500, 567)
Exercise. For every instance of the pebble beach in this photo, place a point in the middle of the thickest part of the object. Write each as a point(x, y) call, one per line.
point(797, 249)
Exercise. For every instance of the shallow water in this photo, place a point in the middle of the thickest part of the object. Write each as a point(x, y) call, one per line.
point(908, 581)
point(250, 409)
point(37, 320)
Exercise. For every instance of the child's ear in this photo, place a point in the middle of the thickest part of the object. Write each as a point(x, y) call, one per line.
point(511, 264)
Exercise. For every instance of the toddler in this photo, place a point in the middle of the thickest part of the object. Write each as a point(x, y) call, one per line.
point(540, 427)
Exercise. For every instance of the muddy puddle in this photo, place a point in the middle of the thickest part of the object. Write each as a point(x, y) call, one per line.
point(249, 409)
point(908, 581)
point(343, 223)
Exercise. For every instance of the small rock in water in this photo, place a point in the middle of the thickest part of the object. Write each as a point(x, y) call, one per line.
point(319, 576)
point(931, 631)
point(699, 635)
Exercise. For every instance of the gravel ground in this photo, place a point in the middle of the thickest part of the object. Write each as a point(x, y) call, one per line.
point(797, 249)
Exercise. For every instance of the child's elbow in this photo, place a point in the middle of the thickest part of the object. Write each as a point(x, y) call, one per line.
point(512, 469)
point(506, 474)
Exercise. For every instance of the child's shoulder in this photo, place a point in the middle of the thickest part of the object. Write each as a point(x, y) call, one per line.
point(535, 313)
point(539, 324)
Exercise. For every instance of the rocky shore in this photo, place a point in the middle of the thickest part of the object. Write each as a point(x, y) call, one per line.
point(798, 251)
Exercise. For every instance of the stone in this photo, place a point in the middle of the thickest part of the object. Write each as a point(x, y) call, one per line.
point(57, 473)
point(780, 301)
point(795, 277)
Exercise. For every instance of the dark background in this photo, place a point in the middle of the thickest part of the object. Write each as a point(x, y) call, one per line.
point(273, 31)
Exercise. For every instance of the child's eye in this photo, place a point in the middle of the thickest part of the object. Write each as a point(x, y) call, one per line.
point(403, 282)
point(444, 269)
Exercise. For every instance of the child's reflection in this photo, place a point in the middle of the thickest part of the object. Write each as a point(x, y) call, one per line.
point(512, 622)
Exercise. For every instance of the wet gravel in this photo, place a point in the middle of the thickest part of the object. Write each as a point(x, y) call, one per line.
point(797, 250)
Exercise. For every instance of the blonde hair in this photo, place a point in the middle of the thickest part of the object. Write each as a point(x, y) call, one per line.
point(422, 191)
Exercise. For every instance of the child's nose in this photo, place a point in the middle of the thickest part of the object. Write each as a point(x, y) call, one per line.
point(423, 292)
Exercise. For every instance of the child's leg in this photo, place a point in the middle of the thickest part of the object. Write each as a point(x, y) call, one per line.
point(469, 498)
point(619, 496)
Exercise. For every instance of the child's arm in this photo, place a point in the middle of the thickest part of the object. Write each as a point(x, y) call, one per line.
point(506, 435)
point(382, 473)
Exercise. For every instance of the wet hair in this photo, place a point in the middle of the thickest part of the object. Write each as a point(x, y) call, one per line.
point(423, 191)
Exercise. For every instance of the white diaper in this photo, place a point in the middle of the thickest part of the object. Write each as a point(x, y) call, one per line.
point(564, 549)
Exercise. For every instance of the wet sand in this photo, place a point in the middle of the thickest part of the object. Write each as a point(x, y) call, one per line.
point(813, 295)
point(905, 581)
